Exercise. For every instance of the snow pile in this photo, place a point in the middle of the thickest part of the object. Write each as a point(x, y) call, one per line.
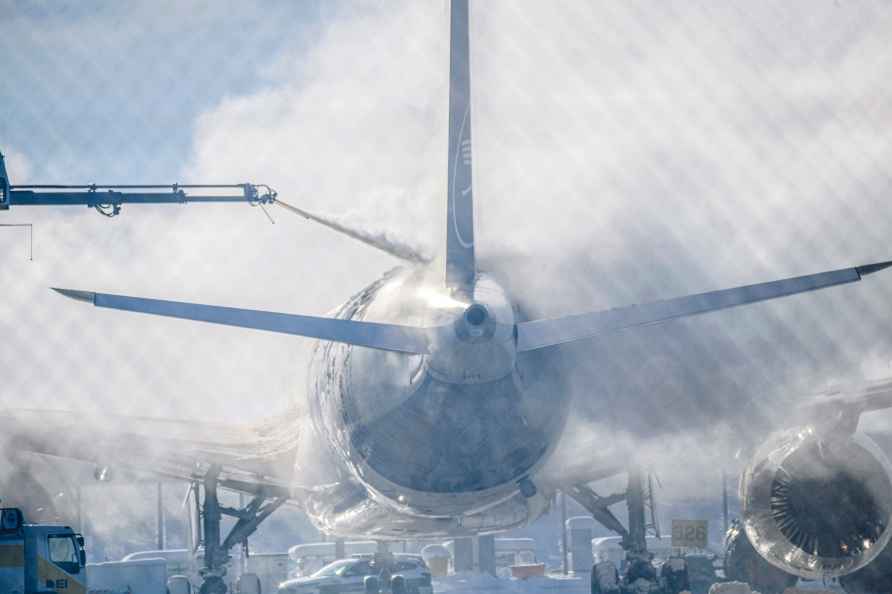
point(462, 583)
point(731, 588)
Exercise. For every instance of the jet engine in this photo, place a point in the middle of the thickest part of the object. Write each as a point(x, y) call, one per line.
point(818, 507)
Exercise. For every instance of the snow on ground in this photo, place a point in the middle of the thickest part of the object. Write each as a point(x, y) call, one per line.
point(471, 583)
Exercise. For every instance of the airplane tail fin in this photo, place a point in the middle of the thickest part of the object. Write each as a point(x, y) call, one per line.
point(460, 262)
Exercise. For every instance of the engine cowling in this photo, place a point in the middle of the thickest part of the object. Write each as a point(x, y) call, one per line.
point(743, 564)
point(818, 507)
point(876, 577)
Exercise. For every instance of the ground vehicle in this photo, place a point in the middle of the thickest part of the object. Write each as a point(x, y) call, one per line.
point(38, 558)
point(311, 557)
point(143, 576)
point(701, 572)
point(270, 568)
point(508, 552)
point(608, 548)
point(514, 551)
point(179, 561)
point(349, 575)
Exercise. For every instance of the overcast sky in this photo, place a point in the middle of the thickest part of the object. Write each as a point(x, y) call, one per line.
point(623, 152)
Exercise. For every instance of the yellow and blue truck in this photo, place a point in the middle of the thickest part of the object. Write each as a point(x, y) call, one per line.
point(40, 558)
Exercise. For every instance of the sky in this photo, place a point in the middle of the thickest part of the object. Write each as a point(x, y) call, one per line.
point(622, 153)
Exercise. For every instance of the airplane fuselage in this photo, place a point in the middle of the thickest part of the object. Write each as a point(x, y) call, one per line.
point(446, 434)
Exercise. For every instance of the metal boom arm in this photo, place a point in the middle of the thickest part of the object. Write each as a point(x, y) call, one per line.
point(107, 199)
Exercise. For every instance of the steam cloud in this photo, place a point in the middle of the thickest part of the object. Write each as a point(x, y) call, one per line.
point(621, 154)
point(377, 238)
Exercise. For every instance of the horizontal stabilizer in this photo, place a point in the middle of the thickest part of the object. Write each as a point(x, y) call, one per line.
point(548, 332)
point(387, 337)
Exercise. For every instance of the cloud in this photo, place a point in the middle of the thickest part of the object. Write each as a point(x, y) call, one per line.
point(18, 166)
point(622, 154)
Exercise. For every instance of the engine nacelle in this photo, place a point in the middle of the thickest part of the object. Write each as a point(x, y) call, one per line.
point(818, 507)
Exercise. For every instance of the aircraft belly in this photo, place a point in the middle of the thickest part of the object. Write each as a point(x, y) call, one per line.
point(364, 517)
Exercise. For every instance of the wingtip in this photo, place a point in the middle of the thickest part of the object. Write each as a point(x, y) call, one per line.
point(86, 296)
point(871, 268)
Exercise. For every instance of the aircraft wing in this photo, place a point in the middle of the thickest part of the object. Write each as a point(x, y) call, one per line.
point(538, 334)
point(251, 458)
point(838, 407)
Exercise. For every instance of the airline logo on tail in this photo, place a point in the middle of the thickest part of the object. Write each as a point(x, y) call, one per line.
point(461, 181)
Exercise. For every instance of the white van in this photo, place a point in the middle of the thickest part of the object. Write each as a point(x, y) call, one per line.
point(143, 576)
point(178, 561)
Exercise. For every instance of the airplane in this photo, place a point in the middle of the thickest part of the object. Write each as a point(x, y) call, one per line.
point(437, 404)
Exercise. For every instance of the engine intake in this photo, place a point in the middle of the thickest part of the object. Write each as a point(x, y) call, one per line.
point(815, 507)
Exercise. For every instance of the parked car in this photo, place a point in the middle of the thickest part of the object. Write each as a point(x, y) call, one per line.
point(349, 575)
